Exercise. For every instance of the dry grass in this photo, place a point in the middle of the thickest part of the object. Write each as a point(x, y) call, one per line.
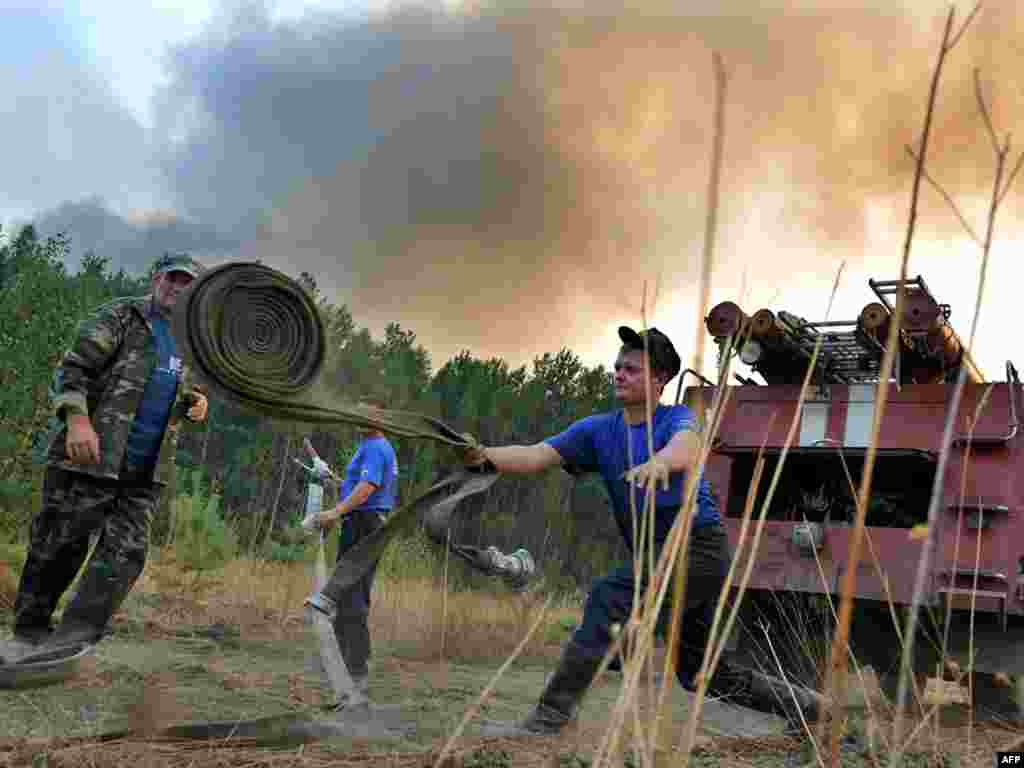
point(8, 586)
point(478, 626)
point(260, 599)
point(175, 673)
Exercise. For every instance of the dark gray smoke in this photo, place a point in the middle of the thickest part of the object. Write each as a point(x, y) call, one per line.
point(506, 180)
point(133, 244)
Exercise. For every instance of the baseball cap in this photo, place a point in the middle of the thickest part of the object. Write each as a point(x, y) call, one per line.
point(663, 355)
point(178, 262)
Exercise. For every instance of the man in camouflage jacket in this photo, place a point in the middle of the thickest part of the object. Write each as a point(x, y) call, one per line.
point(119, 395)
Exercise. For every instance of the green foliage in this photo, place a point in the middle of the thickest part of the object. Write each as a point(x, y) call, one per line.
point(411, 557)
point(17, 495)
point(202, 540)
point(292, 545)
point(287, 553)
point(41, 305)
point(574, 760)
point(13, 553)
point(487, 757)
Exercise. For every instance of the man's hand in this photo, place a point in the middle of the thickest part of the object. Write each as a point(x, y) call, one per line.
point(200, 405)
point(329, 517)
point(473, 456)
point(649, 474)
point(82, 444)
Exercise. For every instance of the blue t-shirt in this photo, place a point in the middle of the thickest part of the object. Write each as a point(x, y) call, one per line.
point(598, 444)
point(375, 462)
point(158, 397)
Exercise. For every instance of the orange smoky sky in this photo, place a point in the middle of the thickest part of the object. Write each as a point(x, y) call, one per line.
point(523, 173)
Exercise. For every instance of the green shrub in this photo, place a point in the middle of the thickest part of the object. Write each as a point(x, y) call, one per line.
point(289, 552)
point(202, 540)
point(17, 497)
point(410, 557)
point(487, 757)
point(13, 553)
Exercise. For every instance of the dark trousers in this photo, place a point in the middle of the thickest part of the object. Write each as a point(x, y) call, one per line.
point(351, 625)
point(73, 507)
point(611, 601)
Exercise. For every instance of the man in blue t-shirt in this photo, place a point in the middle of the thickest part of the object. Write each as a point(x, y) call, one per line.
point(367, 494)
point(615, 445)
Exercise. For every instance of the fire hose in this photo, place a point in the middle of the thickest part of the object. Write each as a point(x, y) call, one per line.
point(255, 337)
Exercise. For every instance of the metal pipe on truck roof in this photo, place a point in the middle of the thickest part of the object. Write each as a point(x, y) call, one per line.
point(726, 319)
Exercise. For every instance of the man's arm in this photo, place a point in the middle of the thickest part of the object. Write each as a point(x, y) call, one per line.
point(95, 345)
point(522, 459)
point(363, 491)
point(682, 452)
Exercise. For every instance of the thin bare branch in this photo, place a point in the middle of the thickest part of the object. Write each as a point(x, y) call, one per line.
point(1010, 179)
point(925, 134)
point(840, 645)
point(789, 686)
point(945, 196)
point(710, 232)
point(963, 27)
point(985, 115)
point(714, 184)
point(954, 408)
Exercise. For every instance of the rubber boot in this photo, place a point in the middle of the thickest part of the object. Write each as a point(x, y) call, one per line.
point(766, 693)
point(557, 704)
point(12, 650)
point(32, 635)
point(73, 634)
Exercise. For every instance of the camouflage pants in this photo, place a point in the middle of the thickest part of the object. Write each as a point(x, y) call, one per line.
point(74, 507)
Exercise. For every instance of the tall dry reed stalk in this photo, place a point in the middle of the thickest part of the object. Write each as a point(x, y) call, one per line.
point(1000, 187)
point(837, 671)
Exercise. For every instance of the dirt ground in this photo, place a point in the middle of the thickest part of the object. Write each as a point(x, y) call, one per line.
point(153, 672)
point(137, 679)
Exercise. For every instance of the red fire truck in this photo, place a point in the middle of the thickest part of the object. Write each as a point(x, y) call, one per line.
point(806, 542)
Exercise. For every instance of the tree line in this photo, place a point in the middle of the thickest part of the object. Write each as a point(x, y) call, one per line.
point(247, 459)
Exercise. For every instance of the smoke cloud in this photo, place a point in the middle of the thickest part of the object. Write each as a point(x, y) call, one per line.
point(507, 180)
point(502, 180)
point(132, 242)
